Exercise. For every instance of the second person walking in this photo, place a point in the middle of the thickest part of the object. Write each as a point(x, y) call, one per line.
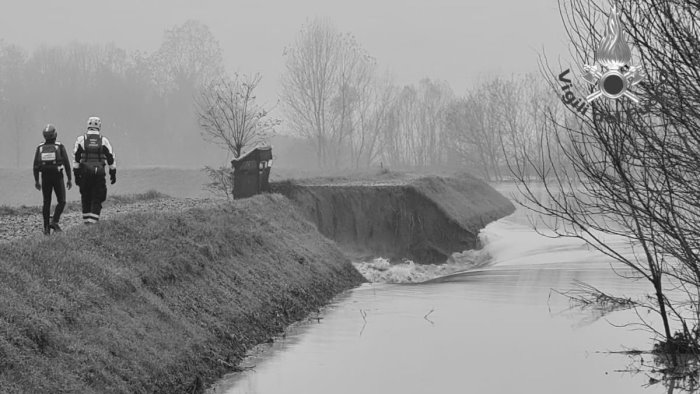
point(92, 153)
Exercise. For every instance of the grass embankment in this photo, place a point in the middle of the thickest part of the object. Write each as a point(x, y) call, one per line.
point(159, 302)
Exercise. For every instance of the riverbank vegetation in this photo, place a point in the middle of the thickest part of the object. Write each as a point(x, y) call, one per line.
point(161, 301)
point(630, 172)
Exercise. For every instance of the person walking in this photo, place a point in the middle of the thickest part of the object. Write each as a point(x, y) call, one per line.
point(92, 153)
point(51, 160)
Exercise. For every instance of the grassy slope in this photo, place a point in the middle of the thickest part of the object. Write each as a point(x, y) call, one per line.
point(158, 302)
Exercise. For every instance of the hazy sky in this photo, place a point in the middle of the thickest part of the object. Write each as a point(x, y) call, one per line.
point(454, 40)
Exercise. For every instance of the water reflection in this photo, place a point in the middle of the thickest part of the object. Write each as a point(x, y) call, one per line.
point(498, 328)
point(492, 331)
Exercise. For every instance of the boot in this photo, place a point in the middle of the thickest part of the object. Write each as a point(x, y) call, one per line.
point(56, 228)
point(47, 230)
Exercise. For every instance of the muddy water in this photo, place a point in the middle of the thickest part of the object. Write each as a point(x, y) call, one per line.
point(488, 323)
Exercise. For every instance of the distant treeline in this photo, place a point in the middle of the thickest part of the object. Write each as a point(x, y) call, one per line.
point(332, 95)
point(354, 115)
point(144, 99)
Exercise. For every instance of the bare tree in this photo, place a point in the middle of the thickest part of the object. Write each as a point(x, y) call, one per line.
point(401, 135)
point(635, 169)
point(189, 56)
point(497, 118)
point(307, 90)
point(435, 96)
point(475, 127)
point(415, 129)
point(474, 141)
point(327, 74)
point(372, 115)
point(229, 115)
point(519, 103)
point(352, 104)
point(221, 181)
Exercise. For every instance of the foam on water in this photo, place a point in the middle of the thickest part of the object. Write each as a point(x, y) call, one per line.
point(510, 243)
point(380, 270)
point(507, 243)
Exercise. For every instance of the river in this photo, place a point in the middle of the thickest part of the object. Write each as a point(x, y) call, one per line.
point(490, 321)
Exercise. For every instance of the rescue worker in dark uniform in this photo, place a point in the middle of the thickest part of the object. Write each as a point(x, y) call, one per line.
point(51, 160)
point(92, 153)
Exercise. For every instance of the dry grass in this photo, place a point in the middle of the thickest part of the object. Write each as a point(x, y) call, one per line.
point(158, 302)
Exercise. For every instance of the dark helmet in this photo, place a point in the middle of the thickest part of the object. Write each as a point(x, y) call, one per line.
point(49, 132)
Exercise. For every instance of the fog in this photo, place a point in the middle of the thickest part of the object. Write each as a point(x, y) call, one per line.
point(63, 62)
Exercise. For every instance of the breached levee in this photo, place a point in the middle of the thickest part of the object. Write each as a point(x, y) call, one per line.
point(170, 300)
point(422, 218)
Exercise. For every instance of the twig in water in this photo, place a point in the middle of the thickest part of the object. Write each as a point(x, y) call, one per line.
point(364, 318)
point(428, 314)
point(586, 295)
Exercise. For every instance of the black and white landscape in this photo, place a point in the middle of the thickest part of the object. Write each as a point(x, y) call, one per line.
point(350, 197)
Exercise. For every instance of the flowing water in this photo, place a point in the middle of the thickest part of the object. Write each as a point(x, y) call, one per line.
point(489, 321)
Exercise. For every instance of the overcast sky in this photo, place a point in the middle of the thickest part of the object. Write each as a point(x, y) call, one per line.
point(458, 41)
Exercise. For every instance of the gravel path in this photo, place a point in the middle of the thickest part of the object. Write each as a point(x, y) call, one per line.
point(13, 227)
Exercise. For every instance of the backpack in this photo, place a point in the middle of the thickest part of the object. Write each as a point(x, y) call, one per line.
point(93, 159)
point(50, 156)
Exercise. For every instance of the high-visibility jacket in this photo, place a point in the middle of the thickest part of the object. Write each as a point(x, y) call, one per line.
point(81, 154)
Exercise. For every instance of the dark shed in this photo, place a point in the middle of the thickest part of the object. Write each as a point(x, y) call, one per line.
point(251, 172)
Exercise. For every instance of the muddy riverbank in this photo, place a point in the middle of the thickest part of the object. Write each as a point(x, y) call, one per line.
point(422, 218)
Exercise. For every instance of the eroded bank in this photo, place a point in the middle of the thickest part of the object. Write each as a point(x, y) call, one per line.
point(422, 218)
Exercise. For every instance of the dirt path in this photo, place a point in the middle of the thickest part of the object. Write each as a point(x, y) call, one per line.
point(13, 227)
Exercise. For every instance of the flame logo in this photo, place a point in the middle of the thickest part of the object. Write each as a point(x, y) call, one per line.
point(613, 51)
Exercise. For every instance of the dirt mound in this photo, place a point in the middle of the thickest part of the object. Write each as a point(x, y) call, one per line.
point(422, 218)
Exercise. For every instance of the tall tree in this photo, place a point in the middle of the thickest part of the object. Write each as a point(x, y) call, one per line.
point(475, 134)
point(375, 99)
point(189, 56)
point(415, 132)
point(498, 119)
point(325, 71)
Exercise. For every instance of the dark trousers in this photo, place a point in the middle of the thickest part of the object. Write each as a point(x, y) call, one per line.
point(93, 192)
point(53, 182)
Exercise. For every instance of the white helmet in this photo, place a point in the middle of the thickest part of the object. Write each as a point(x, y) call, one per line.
point(94, 123)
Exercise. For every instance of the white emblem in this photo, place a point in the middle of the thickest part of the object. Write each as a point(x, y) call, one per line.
point(612, 56)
